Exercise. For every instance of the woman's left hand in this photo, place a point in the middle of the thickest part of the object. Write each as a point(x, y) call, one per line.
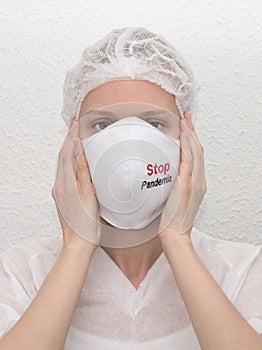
point(188, 190)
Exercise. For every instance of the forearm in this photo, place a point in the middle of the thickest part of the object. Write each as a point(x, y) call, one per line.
point(217, 323)
point(45, 323)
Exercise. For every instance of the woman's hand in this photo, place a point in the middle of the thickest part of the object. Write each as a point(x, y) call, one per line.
point(189, 188)
point(74, 194)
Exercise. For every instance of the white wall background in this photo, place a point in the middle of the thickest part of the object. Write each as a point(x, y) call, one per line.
point(40, 40)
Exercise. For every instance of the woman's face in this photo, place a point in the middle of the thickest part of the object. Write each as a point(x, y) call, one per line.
point(121, 91)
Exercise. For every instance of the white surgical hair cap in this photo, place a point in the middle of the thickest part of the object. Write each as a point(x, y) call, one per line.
point(129, 53)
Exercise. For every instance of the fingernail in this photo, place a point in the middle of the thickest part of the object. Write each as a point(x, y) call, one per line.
point(74, 122)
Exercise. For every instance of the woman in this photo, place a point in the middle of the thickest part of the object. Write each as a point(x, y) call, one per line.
point(174, 290)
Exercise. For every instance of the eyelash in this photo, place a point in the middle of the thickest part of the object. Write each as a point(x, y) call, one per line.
point(150, 122)
point(100, 121)
point(156, 121)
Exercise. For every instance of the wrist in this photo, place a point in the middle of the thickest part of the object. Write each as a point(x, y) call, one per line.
point(175, 240)
point(79, 246)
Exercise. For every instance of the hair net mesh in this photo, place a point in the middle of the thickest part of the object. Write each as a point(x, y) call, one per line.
point(129, 53)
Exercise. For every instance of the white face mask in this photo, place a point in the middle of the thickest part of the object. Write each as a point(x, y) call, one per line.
point(133, 166)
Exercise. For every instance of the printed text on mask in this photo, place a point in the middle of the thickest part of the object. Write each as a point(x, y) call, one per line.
point(157, 169)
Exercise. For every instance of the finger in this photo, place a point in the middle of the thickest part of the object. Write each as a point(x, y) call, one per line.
point(188, 119)
point(68, 132)
point(68, 157)
point(175, 208)
point(59, 168)
point(74, 131)
point(82, 168)
point(198, 166)
point(71, 122)
point(185, 151)
point(196, 149)
point(198, 169)
point(177, 202)
point(197, 181)
point(191, 127)
point(59, 177)
point(171, 206)
point(194, 202)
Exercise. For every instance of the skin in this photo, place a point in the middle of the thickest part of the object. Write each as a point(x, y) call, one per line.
point(135, 261)
point(217, 324)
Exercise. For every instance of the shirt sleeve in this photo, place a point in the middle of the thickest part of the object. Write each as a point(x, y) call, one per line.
point(249, 299)
point(22, 271)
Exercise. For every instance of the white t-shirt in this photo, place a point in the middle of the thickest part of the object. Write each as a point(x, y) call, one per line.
point(113, 314)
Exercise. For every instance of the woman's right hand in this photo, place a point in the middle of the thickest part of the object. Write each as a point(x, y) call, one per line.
point(74, 194)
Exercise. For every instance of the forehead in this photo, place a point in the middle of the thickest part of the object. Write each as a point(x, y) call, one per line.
point(120, 91)
point(121, 110)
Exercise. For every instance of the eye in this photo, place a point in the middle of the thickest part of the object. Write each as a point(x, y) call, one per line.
point(101, 124)
point(156, 124)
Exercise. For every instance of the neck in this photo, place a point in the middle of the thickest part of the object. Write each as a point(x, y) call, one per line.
point(136, 260)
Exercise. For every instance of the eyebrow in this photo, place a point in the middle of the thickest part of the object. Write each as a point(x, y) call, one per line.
point(142, 114)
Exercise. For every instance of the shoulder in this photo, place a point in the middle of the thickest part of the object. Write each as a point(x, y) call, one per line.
point(231, 252)
point(18, 252)
point(23, 268)
point(29, 262)
point(229, 262)
point(248, 301)
point(237, 269)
